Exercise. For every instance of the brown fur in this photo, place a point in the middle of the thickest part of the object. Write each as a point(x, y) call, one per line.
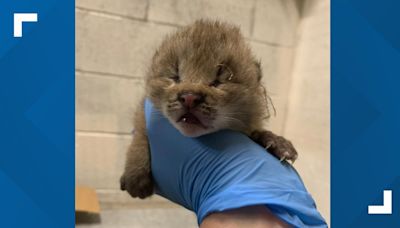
point(212, 59)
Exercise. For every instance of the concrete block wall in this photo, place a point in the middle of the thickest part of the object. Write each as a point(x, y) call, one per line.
point(114, 44)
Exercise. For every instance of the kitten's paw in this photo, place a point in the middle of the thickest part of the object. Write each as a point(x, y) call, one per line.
point(280, 147)
point(137, 185)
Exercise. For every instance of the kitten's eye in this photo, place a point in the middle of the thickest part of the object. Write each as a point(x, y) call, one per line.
point(215, 83)
point(220, 70)
point(224, 73)
point(175, 78)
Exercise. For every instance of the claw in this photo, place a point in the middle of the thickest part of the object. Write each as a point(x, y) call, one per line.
point(269, 145)
point(283, 158)
point(294, 158)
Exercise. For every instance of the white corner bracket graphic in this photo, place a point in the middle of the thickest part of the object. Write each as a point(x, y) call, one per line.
point(386, 208)
point(19, 18)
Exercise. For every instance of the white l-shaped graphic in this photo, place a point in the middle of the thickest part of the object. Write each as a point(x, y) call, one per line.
point(19, 18)
point(386, 208)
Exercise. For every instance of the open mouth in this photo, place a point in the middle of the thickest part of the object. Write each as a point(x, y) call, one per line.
point(189, 118)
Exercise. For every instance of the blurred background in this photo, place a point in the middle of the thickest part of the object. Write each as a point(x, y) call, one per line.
point(115, 41)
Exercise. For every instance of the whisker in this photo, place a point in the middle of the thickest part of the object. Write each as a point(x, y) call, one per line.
point(232, 119)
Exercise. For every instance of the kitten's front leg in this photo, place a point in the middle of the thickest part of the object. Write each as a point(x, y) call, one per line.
point(137, 179)
point(280, 147)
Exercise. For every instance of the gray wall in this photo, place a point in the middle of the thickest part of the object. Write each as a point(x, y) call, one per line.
point(308, 113)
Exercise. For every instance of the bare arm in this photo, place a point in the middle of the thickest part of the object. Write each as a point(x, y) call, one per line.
point(253, 216)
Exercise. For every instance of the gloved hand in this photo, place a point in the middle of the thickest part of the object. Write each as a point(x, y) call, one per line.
point(224, 170)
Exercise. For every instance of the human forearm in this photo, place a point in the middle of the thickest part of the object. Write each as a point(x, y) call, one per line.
point(253, 216)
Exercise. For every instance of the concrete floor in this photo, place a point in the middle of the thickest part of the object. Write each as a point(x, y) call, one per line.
point(144, 218)
point(120, 211)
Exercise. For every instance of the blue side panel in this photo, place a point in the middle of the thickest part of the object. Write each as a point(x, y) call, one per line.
point(37, 109)
point(365, 111)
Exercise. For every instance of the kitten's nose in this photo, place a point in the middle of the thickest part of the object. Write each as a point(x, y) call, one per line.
point(190, 100)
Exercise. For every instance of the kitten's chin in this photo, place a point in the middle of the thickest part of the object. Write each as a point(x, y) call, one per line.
point(192, 130)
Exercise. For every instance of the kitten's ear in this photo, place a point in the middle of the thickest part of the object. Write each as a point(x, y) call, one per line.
point(258, 70)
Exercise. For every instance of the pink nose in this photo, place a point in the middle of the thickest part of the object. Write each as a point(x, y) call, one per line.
point(190, 100)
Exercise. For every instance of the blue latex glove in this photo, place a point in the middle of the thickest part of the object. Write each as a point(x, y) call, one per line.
point(224, 170)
